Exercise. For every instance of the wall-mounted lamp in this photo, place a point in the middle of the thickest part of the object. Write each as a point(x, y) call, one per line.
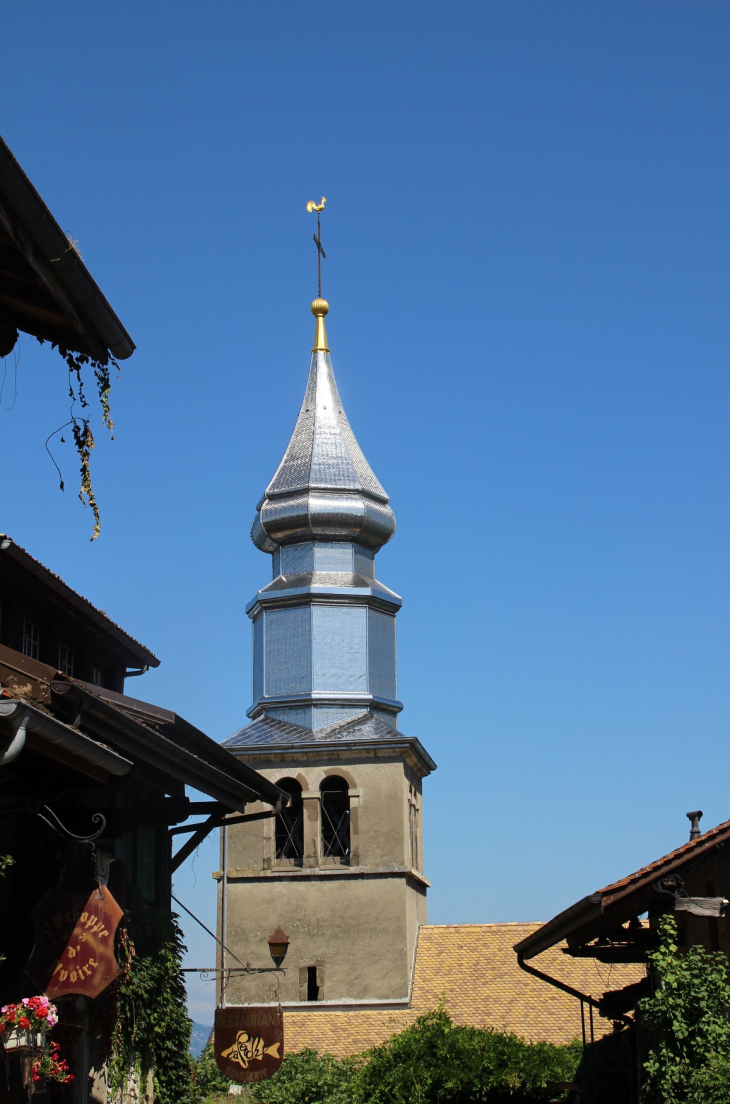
point(278, 946)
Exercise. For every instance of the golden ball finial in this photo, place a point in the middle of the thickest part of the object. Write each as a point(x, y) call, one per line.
point(319, 309)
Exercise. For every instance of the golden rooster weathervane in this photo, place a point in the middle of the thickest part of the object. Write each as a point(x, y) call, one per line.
point(312, 206)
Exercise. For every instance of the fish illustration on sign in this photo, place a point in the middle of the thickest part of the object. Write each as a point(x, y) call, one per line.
point(248, 1041)
point(249, 1049)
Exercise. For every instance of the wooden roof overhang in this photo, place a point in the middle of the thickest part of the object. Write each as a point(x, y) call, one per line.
point(74, 605)
point(45, 288)
point(157, 744)
point(604, 925)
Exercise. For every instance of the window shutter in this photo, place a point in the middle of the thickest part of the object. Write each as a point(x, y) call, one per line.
point(320, 983)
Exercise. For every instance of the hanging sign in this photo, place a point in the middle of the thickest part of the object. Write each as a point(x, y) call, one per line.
point(249, 1041)
point(74, 951)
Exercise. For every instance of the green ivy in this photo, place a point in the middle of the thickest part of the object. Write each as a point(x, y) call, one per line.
point(308, 1078)
point(5, 862)
point(688, 1023)
point(208, 1080)
point(434, 1061)
point(152, 1028)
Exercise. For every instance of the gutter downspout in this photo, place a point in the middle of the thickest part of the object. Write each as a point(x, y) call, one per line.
point(16, 745)
point(561, 985)
point(591, 1002)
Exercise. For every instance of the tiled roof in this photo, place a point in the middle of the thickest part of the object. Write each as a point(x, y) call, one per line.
point(269, 730)
point(474, 968)
point(270, 733)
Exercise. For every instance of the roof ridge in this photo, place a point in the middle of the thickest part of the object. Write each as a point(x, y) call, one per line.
point(504, 924)
point(686, 848)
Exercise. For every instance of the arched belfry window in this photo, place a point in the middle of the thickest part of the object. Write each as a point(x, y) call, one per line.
point(289, 829)
point(335, 821)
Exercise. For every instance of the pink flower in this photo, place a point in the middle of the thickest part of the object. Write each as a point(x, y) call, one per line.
point(26, 1001)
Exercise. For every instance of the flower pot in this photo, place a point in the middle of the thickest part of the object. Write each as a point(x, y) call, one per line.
point(20, 1041)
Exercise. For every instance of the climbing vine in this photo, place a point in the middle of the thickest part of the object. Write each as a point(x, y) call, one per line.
point(688, 1023)
point(152, 1028)
point(5, 862)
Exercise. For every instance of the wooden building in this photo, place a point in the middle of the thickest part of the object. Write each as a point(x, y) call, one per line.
point(92, 786)
point(45, 288)
point(617, 926)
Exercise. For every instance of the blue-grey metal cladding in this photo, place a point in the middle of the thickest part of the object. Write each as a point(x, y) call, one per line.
point(298, 715)
point(388, 718)
point(288, 651)
point(339, 648)
point(381, 654)
point(316, 716)
point(296, 559)
point(333, 557)
point(364, 561)
point(258, 657)
point(326, 715)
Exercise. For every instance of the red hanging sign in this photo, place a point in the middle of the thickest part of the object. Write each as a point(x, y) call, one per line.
point(74, 951)
point(249, 1041)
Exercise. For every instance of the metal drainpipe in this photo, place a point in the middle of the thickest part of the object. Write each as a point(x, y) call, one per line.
point(16, 745)
point(591, 1004)
point(224, 912)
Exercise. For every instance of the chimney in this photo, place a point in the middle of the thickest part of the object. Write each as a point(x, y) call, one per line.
point(694, 819)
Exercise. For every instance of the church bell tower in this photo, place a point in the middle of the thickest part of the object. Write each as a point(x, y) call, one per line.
point(340, 869)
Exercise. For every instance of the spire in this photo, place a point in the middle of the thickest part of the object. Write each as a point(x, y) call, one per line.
point(324, 488)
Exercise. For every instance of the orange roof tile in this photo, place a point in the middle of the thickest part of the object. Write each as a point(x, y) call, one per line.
point(474, 968)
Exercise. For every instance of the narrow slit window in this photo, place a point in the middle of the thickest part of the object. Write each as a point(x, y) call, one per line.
point(66, 660)
point(31, 639)
point(335, 800)
point(313, 993)
point(289, 828)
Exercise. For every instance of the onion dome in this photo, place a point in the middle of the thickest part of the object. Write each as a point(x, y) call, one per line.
point(324, 488)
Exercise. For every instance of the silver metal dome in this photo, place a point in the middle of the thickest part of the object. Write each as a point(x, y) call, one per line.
point(324, 488)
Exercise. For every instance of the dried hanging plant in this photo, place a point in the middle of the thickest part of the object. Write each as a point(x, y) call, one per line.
point(80, 423)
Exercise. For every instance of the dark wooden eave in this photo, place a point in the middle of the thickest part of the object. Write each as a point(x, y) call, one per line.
point(75, 605)
point(603, 925)
point(171, 751)
point(45, 288)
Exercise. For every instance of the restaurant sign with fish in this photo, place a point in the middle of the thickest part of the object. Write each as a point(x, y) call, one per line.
point(249, 1041)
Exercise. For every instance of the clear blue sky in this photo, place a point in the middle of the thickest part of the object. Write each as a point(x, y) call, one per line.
point(527, 238)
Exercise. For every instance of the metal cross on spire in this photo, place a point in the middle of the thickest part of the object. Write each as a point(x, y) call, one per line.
point(312, 206)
